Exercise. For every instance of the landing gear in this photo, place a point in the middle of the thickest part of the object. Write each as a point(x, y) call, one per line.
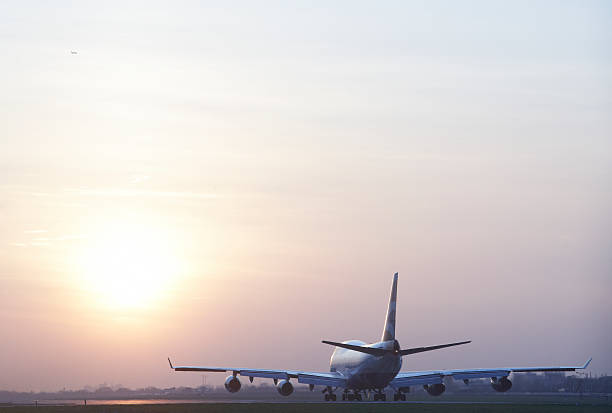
point(348, 396)
point(399, 396)
point(330, 397)
point(380, 396)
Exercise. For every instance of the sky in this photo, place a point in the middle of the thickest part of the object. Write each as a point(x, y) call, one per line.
point(228, 184)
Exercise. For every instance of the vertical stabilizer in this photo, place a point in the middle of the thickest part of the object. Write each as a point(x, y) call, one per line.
point(389, 330)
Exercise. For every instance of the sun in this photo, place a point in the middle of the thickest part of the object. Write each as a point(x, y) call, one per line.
point(129, 266)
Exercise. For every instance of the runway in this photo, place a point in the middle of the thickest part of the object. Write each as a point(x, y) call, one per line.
point(257, 406)
point(531, 399)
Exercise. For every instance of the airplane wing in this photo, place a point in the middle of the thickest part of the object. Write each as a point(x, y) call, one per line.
point(304, 377)
point(416, 378)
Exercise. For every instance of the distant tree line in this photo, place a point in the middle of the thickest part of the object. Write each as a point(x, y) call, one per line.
point(541, 383)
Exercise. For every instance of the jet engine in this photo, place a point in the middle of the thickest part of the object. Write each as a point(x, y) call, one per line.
point(232, 384)
point(284, 387)
point(501, 385)
point(435, 389)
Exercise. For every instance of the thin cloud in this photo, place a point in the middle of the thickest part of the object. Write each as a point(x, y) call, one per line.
point(62, 238)
point(46, 241)
point(35, 231)
point(136, 179)
point(130, 193)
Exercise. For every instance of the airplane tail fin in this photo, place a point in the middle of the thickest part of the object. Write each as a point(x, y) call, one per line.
point(389, 335)
point(389, 329)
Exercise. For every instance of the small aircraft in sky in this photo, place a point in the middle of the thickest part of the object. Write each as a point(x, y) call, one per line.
point(357, 367)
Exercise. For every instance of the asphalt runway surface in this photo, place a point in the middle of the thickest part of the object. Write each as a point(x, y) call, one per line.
point(301, 407)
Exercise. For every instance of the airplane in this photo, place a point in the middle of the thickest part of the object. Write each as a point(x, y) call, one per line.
point(357, 367)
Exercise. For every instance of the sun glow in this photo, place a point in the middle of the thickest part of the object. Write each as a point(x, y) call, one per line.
point(129, 266)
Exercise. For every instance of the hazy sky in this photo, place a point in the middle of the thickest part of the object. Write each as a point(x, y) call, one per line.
point(230, 185)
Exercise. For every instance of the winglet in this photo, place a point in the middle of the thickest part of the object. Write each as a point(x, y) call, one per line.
point(169, 362)
point(587, 363)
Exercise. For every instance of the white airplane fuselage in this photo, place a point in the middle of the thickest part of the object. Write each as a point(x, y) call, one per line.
point(365, 371)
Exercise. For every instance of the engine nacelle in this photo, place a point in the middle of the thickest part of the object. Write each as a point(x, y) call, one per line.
point(435, 389)
point(501, 385)
point(232, 384)
point(284, 387)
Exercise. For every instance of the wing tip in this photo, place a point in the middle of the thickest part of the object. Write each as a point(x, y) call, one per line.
point(587, 363)
point(169, 362)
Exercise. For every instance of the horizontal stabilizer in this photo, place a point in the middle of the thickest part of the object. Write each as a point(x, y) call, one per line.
point(378, 352)
point(368, 350)
point(414, 350)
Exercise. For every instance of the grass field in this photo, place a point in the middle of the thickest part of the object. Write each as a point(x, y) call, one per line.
point(312, 407)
